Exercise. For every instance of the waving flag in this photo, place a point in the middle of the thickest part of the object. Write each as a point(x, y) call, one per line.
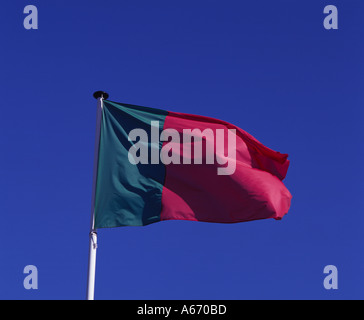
point(156, 165)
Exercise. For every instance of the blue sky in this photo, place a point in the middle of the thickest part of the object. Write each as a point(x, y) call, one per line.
point(269, 67)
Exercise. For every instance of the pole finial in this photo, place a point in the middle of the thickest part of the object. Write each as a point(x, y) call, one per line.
point(101, 94)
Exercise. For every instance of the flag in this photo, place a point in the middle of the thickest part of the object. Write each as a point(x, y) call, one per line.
point(155, 165)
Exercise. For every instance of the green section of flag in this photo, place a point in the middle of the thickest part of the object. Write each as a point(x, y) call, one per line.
point(127, 194)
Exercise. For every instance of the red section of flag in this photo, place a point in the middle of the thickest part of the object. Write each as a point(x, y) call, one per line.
point(196, 192)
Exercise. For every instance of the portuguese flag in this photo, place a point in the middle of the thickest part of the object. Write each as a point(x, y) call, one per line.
point(156, 165)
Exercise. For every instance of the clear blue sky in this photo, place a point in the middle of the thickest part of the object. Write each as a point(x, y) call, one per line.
point(269, 67)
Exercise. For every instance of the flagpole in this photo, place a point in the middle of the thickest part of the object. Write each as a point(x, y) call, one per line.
point(100, 96)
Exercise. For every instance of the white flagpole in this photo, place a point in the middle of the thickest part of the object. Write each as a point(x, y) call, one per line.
point(100, 96)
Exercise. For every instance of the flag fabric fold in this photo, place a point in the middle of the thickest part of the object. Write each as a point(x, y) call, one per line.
point(157, 165)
